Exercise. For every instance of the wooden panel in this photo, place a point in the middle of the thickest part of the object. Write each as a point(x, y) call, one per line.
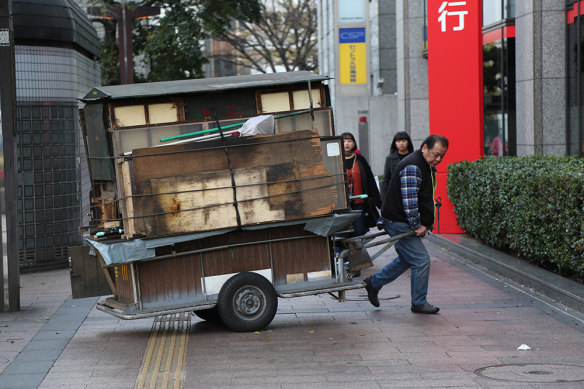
point(87, 276)
point(192, 186)
point(251, 257)
point(123, 281)
point(204, 202)
point(126, 203)
point(178, 280)
point(299, 255)
point(237, 259)
point(171, 280)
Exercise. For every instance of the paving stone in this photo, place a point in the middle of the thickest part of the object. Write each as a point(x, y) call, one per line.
point(313, 342)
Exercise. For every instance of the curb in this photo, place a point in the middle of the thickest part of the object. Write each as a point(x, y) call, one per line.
point(563, 290)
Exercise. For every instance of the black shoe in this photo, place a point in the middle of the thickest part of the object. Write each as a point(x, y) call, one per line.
point(425, 308)
point(371, 292)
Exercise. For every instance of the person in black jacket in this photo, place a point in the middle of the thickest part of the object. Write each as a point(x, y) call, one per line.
point(360, 180)
point(409, 206)
point(401, 146)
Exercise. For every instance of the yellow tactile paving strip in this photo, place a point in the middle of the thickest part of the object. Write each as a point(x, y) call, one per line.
point(163, 365)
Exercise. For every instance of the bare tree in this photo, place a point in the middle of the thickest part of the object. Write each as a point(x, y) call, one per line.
point(283, 38)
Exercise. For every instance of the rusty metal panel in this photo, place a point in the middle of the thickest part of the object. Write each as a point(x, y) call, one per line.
point(101, 165)
point(87, 274)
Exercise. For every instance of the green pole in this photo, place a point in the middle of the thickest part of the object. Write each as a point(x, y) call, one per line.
point(191, 134)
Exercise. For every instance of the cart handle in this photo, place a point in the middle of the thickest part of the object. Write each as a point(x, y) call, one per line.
point(390, 239)
point(375, 235)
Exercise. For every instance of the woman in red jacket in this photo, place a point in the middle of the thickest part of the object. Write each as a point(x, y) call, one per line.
point(360, 181)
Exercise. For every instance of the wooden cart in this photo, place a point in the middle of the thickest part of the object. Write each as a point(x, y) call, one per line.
point(235, 277)
point(221, 227)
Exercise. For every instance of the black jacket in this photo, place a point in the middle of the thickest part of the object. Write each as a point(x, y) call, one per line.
point(391, 162)
point(393, 209)
point(373, 200)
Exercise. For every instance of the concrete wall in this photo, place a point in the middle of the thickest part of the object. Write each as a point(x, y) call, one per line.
point(383, 126)
point(381, 113)
point(541, 77)
point(412, 71)
point(383, 58)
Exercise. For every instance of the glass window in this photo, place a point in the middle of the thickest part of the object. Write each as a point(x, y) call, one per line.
point(301, 99)
point(492, 11)
point(575, 88)
point(499, 97)
point(351, 11)
point(131, 115)
point(162, 113)
point(497, 10)
point(275, 102)
point(509, 9)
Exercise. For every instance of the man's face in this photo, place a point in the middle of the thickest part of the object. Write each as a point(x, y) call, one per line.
point(434, 155)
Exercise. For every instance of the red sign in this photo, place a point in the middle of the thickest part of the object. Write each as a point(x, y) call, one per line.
point(455, 88)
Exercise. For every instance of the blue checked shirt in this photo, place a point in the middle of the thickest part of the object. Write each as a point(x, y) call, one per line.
point(411, 179)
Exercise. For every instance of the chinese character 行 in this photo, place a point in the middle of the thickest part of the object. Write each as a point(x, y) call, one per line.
point(444, 12)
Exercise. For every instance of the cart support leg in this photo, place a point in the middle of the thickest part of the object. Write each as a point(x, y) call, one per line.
point(341, 275)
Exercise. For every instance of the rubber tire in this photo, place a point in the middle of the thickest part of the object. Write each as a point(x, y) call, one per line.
point(211, 315)
point(247, 302)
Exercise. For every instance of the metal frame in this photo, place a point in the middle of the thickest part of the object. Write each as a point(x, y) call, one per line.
point(342, 278)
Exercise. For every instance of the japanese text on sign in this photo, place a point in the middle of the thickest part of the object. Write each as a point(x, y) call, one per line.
point(352, 56)
point(452, 8)
point(4, 37)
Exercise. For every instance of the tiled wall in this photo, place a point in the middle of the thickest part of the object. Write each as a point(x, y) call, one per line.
point(51, 184)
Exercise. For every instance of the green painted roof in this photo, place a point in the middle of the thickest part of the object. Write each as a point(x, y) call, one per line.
point(200, 85)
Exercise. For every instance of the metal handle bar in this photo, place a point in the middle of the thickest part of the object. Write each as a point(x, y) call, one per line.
point(390, 239)
point(375, 235)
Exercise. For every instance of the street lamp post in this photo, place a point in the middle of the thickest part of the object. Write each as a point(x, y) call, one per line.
point(123, 15)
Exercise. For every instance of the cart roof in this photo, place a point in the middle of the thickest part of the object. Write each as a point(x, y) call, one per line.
point(199, 85)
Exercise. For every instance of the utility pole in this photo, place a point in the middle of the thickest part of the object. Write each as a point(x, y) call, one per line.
point(124, 15)
point(10, 272)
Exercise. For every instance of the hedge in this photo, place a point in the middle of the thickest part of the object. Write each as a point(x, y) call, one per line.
point(532, 207)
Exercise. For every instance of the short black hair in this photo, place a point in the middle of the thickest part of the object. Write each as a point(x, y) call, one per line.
point(431, 141)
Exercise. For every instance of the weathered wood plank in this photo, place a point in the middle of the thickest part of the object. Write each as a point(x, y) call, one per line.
point(277, 177)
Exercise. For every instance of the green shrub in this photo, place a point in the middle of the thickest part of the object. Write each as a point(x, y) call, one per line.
point(532, 207)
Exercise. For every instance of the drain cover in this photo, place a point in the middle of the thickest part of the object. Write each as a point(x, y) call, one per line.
point(533, 373)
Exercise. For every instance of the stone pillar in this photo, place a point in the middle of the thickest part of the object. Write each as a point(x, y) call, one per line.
point(541, 77)
point(412, 70)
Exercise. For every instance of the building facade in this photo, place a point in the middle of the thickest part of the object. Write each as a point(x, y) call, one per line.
point(56, 52)
point(532, 75)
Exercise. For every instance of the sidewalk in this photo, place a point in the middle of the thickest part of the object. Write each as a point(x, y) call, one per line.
point(317, 342)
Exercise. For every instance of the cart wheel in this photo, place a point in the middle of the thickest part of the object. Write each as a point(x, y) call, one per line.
point(247, 302)
point(210, 315)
